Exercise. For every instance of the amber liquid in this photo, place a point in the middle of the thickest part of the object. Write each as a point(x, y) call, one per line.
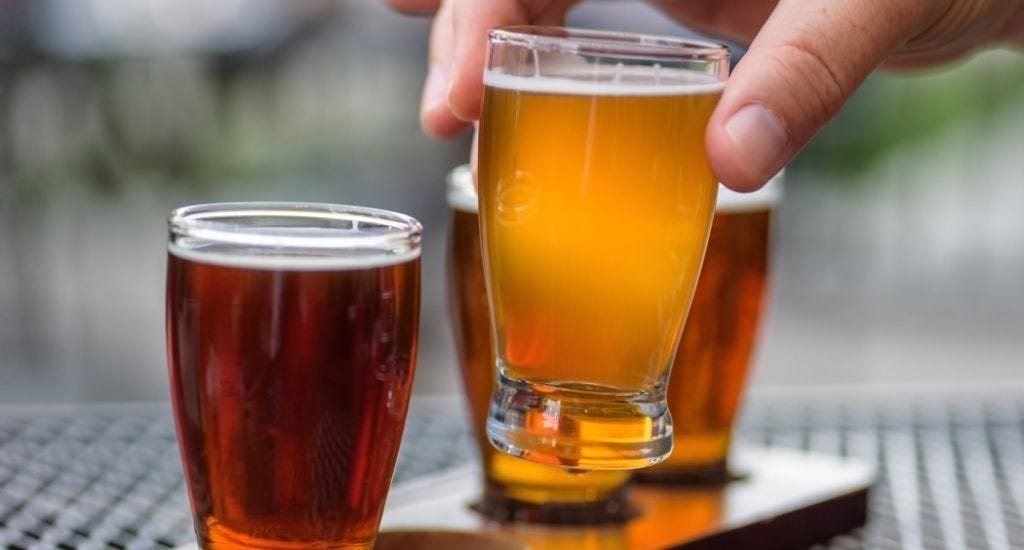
point(710, 368)
point(290, 392)
point(513, 485)
point(595, 211)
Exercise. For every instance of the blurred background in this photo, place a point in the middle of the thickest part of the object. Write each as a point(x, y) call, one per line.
point(899, 247)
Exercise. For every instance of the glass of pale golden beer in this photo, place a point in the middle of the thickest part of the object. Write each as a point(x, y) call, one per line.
point(514, 489)
point(291, 335)
point(595, 201)
point(715, 351)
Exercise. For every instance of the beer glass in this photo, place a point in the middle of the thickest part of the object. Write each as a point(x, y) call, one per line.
point(291, 335)
point(595, 203)
point(714, 353)
point(514, 488)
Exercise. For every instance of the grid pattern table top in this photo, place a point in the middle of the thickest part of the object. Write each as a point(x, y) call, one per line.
point(951, 470)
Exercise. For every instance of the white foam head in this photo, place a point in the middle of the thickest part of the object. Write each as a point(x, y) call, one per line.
point(461, 191)
point(764, 198)
point(278, 262)
point(293, 236)
point(610, 80)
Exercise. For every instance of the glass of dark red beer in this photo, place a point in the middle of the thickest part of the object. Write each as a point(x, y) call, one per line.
point(291, 337)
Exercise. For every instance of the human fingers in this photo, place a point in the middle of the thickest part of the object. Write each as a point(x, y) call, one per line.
point(414, 6)
point(472, 20)
point(436, 118)
point(804, 64)
point(959, 29)
point(736, 20)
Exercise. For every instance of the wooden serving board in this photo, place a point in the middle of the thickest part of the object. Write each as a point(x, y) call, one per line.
point(786, 500)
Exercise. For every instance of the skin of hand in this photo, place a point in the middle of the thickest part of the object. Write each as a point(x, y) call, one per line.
point(805, 60)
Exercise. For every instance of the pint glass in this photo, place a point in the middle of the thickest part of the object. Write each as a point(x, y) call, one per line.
point(291, 333)
point(714, 354)
point(595, 202)
point(514, 489)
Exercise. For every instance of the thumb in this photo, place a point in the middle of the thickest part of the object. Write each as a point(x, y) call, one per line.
point(804, 64)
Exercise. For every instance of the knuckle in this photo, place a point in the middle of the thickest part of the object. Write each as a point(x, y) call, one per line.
point(952, 22)
point(818, 83)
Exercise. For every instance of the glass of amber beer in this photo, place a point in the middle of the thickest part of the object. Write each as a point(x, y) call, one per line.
point(715, 351)
point(514, 489)
point(595, 203)
point(291, 334)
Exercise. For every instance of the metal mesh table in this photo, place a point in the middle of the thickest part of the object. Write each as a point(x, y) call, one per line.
point(951, 468)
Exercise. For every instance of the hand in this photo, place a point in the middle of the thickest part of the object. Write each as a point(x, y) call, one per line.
point(805, 60)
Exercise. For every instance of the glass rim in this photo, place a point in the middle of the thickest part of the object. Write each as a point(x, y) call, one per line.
point(608, 43)
point(210, 222)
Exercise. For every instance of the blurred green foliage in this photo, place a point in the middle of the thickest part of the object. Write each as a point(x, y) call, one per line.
point(895, 109)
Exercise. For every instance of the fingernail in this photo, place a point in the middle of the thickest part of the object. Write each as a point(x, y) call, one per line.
point(435, 90)
point(760, 137)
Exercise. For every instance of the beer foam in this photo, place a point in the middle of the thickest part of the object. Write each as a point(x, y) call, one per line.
point(461, 191)
point(611, 80)
point(764, 198)
point(253, 259)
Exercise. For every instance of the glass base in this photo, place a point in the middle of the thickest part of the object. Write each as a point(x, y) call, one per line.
point(615, 509)
point(577, 427)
